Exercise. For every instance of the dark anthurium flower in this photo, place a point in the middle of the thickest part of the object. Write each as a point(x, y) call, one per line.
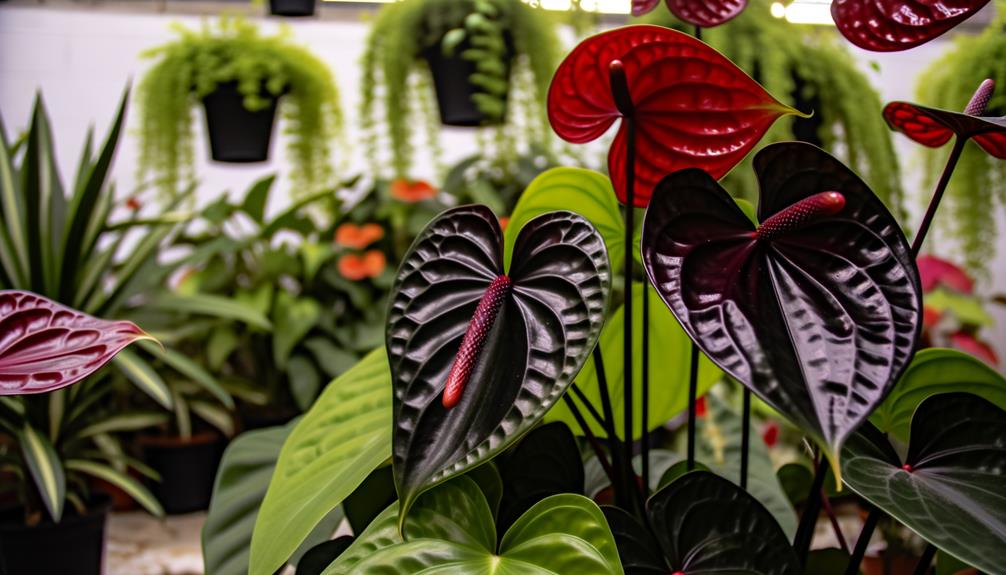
point(479, 353)
point(895, 25)
point(45, 346)
point(933, 127)
point(691, 106)
point(702, 13)
point(817, 310)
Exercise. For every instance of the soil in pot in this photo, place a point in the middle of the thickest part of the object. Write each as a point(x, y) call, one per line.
point(454, 89)
point(74, 545)
point(187, 468)
point(237, 135)
point(294, 8)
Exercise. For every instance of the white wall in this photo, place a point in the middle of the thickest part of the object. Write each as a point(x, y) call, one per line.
point(81, 59)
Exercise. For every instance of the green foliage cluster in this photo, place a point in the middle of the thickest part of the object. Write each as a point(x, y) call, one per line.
point(979, 182)
point(265, 68)
point(396, 86)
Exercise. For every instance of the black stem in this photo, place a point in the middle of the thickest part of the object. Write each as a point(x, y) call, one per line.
point(693, 390)
point(591, 438)
point(645, 437)
point(863, 542)
point(590, 407)
point(934, 203)
point(619, 483)
point(745, 437)
point(830, 512)
point(811, 511)
point(698, 32)
point(922, 567)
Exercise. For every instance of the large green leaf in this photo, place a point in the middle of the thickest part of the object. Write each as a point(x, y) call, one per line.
point(345, 436)
point(935, 371)
point(950, 487)
point(670, 354)
point(966, 308)
point(450, 530)
point(293, 318)
point(46, 470)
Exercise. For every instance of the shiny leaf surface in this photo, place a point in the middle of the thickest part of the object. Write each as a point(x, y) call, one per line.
point(818, 318)
point(895, 25)
point(640, 7)
point(693, 107)
point(706, 13)
point(933, 127)
point(949, 489)
point(46, 346)
point(546, 326)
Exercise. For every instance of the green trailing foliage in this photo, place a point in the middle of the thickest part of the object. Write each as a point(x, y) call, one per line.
point(264, 67)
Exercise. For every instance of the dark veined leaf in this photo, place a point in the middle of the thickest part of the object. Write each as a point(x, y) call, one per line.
point(693, 107)
point(368, 500)
point(933, 127)
point(817, 310)
point(702, 525)
point(706, 13)
point(949, 488)
point(895, 25)
point(477, 357)
point(45, 345)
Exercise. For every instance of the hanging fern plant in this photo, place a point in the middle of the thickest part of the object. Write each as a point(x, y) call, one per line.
point(820, 77)
point(978, 186)
point(513, 49)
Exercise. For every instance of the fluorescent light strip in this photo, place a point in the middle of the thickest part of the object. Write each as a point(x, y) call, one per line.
point(804, 12)
point(601, 6)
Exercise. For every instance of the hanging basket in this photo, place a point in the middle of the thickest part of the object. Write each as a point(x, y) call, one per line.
point(292, 8)
point(454, 89)
point(237, 135)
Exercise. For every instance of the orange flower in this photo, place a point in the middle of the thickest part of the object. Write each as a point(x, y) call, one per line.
point(355, 267)
point(350, 235)
point(504, 221)
point(417, 191)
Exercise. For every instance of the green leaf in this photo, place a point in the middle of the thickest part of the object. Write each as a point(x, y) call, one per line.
point(132, 487)
point(143, 376)
point(257, 197)
point(304, 379)
point(211, 305)
point(190, 369)
point(333, 359)
point(46, 470)
point(934, 371)
point(223, 341)
point(15, 258)
point(293, 318)
point(670, 354)
point(966, 308)
point(345, 436)
point(215, 415)
point(121, 423)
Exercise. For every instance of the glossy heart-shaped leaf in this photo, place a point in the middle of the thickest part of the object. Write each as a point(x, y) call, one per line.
point(817, 311)
point(692, 106)
point(933, 127)
point(703, 524)
point(450, 530)
point(895, 25)
point(932, 372)
point(949, 488)
point(509, 344)
point(45, 345)
point(706, 13)
point(641, 7)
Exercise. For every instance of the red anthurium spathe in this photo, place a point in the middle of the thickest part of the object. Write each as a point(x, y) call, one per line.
point(46, 346)
point(895, 25)
point(706, 13)
point(641, 7)
point(936, 271)
point(692, 107)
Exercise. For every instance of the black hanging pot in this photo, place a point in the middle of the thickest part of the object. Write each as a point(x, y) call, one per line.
point(187, 468)
point(294, 8)
point(454, 90)
point(74, 545)
point(237, 134)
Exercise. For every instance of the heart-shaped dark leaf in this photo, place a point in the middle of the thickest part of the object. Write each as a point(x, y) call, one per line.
point(641, 7)
point(46, 346)
point(703, 524)
point(693, 107)
point(817, 311)
point(706, 13)
point(950, 488)
point(933, 127)
point(477, 357)
point(895, 25)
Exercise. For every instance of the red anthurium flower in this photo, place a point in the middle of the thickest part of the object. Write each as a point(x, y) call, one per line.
point(641, 7)
point(417, 191)
point(46, 346)
point(930, 317)
point(770, 433)
point(935, 272)
point(693, 108)
point(706, 13)
point(356, 237)
point(895, 25)
point(700, 407)
point(356, 267)
point(970, 344)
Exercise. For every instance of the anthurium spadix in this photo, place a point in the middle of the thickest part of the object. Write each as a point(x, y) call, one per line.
point(45, 346)
point(479, 353)
point(817, 310)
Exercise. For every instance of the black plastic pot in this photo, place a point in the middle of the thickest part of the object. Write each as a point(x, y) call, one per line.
point(237, 135)
point(292, 7)
point(454, 90)
point(74, 545)
point(187, 468)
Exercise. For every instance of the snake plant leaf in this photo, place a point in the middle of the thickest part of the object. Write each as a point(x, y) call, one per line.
point(703, 524)
point(949, 488)
point(933, 127)
point(478, 357)
point(706, 13)
point(895, 25)
point(693, 107)
point(817, 311)
point(46, 346)
point(932, 372)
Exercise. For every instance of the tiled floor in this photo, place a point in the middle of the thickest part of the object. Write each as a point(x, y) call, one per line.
point(138, 544)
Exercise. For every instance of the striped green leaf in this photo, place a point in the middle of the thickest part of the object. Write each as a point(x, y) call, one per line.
point(144, 377)
point(212, 305)
point(190, 369)
point(132, 487)
point(46, 470)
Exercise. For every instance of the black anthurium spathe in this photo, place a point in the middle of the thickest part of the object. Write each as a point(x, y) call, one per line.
point(951, 486)
point(478, 354)
point(702, 524)
point(817, 310)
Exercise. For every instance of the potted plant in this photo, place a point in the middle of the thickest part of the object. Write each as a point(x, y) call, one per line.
point(240, 77)
point(489, 60)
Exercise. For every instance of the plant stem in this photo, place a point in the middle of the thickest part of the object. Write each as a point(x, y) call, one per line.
point(745, 437)
point(591, 438)
point(941, 187)
point(619, 481)
point(645, 431)
point(698, 32)
point(693, 390)
point(922, 567)
point(863, 542)
point(830, 512)
point(811, 510)
point(586, 403)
